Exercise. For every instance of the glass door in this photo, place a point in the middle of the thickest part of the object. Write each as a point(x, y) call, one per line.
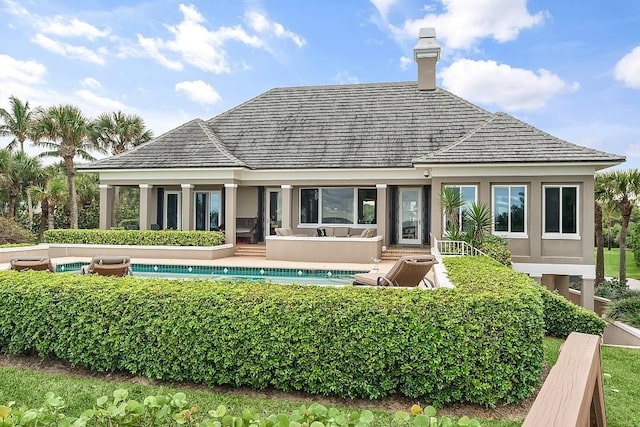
point(409, 227)
point(274, 210)
point(172, 209)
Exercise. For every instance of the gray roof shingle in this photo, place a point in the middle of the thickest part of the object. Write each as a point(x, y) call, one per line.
point(350, 126)
point(505, 139)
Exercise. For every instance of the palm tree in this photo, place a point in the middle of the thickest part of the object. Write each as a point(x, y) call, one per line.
point(66, 132)
point(451, 202)
point(17, 172)
point(119, 133)
point(17, 122)
point(50, 192)
point(624, 190)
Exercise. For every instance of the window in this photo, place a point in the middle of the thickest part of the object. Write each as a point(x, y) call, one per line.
point(338, 205)
point(560, 210)
point(468, 193)
point(509, 210)
point(172, 210)
point(207, 210)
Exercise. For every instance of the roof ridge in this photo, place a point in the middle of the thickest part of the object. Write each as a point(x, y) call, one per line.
point(213, 138)
point(463, 139)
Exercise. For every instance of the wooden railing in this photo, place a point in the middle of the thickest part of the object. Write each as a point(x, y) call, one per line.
point(572, 394)
point(453, 247)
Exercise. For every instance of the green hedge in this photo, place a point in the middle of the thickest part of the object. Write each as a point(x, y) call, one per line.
point(561, 316)
point(135, 237)
point(481, 343)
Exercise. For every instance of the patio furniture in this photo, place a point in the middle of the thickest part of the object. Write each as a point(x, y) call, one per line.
point(118, 266)
point(32, 263)
point(408, 271)
point(247, 228)
point(287, 231)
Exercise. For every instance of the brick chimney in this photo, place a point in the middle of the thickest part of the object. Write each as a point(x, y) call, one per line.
point(426, 53)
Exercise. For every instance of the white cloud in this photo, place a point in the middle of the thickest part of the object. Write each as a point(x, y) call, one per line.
point(152, 50)
point(345, 77)
point(199, 91)
point(383, 6)
point(512, 89)
point(12, 69)
point(70, 51)
point(91, 83)
point(628, 69)
point(462, 24)
point(259, 23)
point(65, 27)
point(405, 62)
point(93, 104)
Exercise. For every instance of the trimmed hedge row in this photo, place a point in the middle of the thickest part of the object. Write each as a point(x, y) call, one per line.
point(561, 316)
point(135, 237)
point(481, 343)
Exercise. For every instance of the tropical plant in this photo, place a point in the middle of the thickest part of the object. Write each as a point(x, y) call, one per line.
point(478, 222)
point(18, 171)
point(623, 188)
point(51, 193)
point(66, 132)
point(118, 133)
point(450, 203)
point(601, 198)
point(16, 122)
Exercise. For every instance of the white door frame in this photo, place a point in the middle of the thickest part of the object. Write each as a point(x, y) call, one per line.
point(418, 219)
point(267, 205)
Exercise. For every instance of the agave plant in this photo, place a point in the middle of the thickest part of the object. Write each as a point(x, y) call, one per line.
point(478, 221)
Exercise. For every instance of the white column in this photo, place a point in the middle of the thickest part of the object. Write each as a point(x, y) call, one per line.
point(230, 196)
point(187, 206)
point(145, 200)
point(106, 202)
point(381, 212)
point(286, 205)
point(587, 293)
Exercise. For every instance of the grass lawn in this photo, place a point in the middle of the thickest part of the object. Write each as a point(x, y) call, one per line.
point(28, 387)
point(612, 263)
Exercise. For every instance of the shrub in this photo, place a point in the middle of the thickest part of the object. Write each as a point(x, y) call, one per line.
point(561, 316)
point(479, 343)
point(636, 245)
point(612, 289)
point(626, 310)
point(135, 237)
point(12, 233)
point(497, 249)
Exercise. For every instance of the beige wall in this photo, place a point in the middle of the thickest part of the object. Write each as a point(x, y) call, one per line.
point(247, 202)
point(533, 249)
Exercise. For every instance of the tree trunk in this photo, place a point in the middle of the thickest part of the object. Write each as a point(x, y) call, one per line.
point(30, 209)
point(609, 233)
point(625, 212)
point(115, 206)
point(51, 208)
point(44, 218)
point(73, 197)
point(13, 201)
point(599, 244)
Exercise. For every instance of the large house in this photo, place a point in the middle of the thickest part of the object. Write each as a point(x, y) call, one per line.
point(368, 156)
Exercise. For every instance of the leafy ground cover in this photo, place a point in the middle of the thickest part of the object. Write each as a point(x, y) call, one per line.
point(612, 263)
point(29, 386)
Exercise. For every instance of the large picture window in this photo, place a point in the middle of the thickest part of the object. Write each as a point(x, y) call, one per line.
point(509, 210)
point(468, 194)
point(560, 210)
point(338, 205)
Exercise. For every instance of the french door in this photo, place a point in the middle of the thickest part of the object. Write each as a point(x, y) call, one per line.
point(273, 218)
point(410, 225)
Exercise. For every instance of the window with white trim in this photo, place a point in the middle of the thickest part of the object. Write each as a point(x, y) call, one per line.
point(338, 205)
point(560, 212)
point(469, 195)
point(509, 210)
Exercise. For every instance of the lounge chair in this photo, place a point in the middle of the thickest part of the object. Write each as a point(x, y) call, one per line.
point(408, 271)
point(109, 266)
point(32, 263)
point(288, 231)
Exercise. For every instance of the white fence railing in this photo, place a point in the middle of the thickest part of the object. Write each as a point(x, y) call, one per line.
point(453, 247)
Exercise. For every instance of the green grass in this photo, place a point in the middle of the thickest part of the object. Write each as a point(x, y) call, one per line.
point(28, 387)
point(612, 263)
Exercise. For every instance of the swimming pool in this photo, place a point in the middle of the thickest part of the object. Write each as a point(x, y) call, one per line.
point(263, 274)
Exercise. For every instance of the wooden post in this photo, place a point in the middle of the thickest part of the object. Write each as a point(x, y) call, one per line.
point(572, 394)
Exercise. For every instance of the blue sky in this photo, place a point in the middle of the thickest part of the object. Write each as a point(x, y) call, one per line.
point(571, 68)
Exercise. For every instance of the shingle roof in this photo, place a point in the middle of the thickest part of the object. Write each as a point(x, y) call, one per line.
point(192, 144)
point(351, 126)
point(505, 139)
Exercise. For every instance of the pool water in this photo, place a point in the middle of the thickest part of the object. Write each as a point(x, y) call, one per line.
point(261, 274)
